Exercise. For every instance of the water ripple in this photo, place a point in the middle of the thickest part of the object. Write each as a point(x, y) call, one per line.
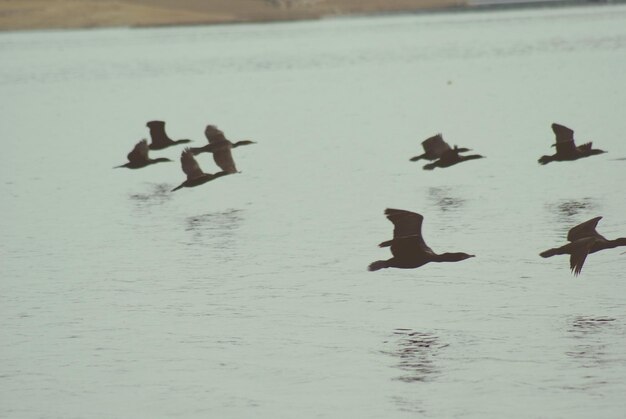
point(416, 352)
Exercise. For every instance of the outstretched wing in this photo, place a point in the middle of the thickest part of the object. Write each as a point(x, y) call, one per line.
point(213, 134)
point(190, 165)
point(139, 154)
point(435, 145)
point(564, 139)
point(405, 223)
point(582, 230)
point(158, 137)
point(407, 233)
point(224, 159)
point(579, 253)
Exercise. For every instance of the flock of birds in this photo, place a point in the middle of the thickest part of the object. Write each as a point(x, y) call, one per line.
point(408, 248)
point(218, 145)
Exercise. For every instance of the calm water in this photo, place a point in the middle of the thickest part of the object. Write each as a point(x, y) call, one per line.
point(249, 296)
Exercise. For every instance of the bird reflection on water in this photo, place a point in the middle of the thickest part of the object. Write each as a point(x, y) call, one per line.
point(444, 200)
point(215, 229)
point(590, 347)
point(158, 194)
point(582, 325)
point(573, 207)
point(416, 352)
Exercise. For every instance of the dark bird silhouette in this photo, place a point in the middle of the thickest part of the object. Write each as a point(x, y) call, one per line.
point(407, 246)
point(220, 147)
point(583, 240)
point(450, 158)
point(566, 148)
point(159, 139)
point(195, 175)
point(138, 157)
point(435, 147)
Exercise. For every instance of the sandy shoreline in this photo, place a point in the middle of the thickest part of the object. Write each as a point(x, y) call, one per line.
point(65, 14)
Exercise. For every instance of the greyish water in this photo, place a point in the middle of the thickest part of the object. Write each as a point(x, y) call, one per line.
point(249, 296)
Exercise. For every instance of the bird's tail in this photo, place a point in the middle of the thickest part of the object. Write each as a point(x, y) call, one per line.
point(545, 160)
point(379, 264)
point(551, 252)
point(430, 166)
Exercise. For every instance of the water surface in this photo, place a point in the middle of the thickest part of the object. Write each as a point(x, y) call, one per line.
point(249, 295)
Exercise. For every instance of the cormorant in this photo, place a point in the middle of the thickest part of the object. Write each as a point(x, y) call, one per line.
point(216, 140)
point(195, 175)
point(159, 139)
point(407, 246)
point(583, 240)
point(434, 147)
point(220, 147)
point(138, 157)
point(565, 147)
point(450, 158)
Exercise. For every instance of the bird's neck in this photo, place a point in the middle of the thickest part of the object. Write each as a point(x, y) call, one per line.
point(472, 157)
point(616, 242)
point(450, 257)
point(594, 151)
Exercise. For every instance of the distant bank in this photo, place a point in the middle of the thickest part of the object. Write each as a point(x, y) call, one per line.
point(58, 14)
point(61, 14)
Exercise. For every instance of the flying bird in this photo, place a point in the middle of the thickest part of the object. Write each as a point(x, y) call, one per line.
point(583, 240)
point(220, 147)
point(159, 139)
point(138, 157)
point(566, 148)
point(195, 175)
point(408, 247)
point(450, 158)
point(435, 147)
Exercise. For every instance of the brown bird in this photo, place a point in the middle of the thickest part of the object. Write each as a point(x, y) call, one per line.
point(566, 148)
point(220, 147)
point(138, 157)
point(195, 175)
point(450, 158)
point(583, 240)
point(435, 147)
point(408, 247)
point(159, 139)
